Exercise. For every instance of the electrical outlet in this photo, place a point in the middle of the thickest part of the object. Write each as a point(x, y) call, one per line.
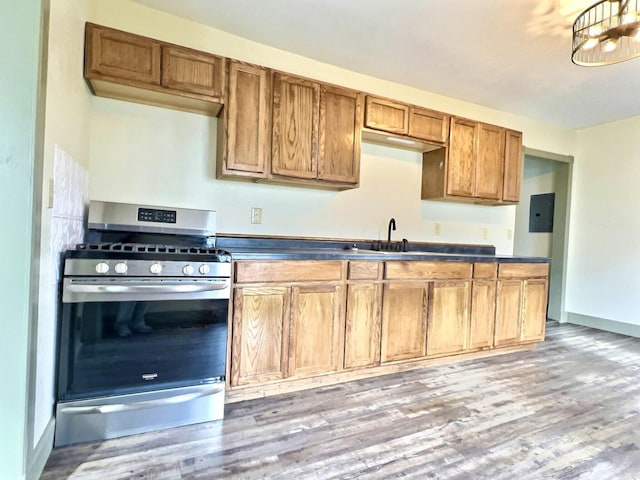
point(436, 228)
point(256, 215)
point(509, 234)
point(485, 233)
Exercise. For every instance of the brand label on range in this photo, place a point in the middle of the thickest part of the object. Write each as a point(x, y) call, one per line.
point(149, 376)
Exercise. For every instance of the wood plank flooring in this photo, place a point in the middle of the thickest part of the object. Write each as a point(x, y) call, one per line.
point(567, 410)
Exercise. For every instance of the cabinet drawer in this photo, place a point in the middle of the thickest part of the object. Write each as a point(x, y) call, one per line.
point(427, 270)
point(288, 271)
point(364, 270)
point(485, 270)
point(523, 270)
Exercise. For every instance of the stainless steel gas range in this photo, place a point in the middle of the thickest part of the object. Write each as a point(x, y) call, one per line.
point(143, 327)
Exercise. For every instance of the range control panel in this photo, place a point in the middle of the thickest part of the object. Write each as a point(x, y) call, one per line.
point(156, 215)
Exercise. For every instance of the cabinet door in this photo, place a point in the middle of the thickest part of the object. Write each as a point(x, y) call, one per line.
point(490, 166)
point(340, 133)
point(404, 321)
point(246, 138)
point(190, 71)
point(386, 115)
point(463, 152)
point(509, 312)
point(362, 330)
point(260, 335)
point(121, 56)
point(296, 104)
point(483, 314)
point(315, 330)
point(534, 310)
point(448, 318)
point(428, 125)
point(512, 166)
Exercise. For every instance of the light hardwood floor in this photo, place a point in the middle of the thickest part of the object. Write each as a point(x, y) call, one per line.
point(567, 410)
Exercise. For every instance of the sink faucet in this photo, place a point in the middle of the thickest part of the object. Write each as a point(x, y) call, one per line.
point(392, 226)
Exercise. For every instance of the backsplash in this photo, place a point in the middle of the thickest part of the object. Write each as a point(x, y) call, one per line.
point(66, 229)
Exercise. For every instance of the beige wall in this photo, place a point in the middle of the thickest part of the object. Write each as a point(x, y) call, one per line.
point(152, 155)
point(604, 259)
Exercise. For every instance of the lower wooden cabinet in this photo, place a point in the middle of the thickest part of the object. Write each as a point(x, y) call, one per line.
point(521, 303)
point(315, 336)
point(483, 314)
point(508, 314)
point(534, 316)
point(293, 320)
point(404, 320)
point(260, 342)
point(448, 317)
point(362, 325)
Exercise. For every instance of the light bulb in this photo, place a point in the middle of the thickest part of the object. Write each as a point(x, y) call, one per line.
point(628, 18)
point(595, 30)
point(610, 45)
point(590, 43)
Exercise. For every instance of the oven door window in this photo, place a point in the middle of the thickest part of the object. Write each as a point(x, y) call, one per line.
point(110, 348)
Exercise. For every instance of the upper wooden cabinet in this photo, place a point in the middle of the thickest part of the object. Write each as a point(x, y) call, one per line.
point(512, 167)
point(131, 67)
point(244, 131)
point(402, 119)
point(316, 132)
point(481, 164)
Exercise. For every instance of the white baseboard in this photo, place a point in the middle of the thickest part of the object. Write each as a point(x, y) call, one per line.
point(39, 456)
point(622, 328)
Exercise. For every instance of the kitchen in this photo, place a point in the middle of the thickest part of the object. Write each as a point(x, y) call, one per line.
point(155, 156)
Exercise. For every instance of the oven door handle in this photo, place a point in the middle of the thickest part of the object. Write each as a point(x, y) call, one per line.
point(122, 407)
point(153, 288)
point(75, 291)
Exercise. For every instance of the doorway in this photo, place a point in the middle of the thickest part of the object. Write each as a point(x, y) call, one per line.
point(546, 173)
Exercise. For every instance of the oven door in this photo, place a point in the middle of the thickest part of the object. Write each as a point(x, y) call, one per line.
point(122, 336)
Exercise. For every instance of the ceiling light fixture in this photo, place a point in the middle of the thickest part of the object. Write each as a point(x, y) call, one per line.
point(607, 32)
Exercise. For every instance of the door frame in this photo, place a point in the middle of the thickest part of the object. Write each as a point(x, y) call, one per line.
point(557, 274)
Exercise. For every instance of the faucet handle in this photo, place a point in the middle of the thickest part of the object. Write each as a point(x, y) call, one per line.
point(405, 245)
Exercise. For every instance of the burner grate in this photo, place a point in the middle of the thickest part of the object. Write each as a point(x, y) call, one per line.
point(149, 248)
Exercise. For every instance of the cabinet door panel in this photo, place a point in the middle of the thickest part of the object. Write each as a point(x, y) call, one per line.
point(428, 125)
point(483, 314)
point(362, 333)
point(404, 321)
point(490, 166)
point(189, 71)
point(386, 115)
point(512, 166)
point(121, 55)
point(509, 312)
point(534, 308)
point(340, 126)
point(246, 117)
point(315, 330)
point(448, 318)
point(260, 335)
point(296, 105)
point(461, 165)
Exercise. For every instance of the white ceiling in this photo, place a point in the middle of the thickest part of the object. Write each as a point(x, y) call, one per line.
point(510, 55)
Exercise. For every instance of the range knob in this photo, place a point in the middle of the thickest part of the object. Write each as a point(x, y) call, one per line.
point(102, 267)
point(187, 270)
point(121, 267)
point(155, 268)
point(204, 269)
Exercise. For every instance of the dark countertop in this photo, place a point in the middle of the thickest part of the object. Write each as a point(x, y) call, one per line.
point(256, 248)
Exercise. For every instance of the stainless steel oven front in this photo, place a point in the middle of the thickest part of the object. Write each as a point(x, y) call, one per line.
point(142, 340)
